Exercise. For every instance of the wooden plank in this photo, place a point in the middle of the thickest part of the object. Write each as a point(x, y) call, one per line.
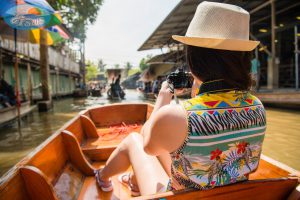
point(109, 115)
point(13, 188)
point(88, 127)
point(10, 113)
point(90, 190)
point(51, 159)
point(75, 154)
point(36, 184)
point(76, 128)
point(276, 189)
point(267, 170)
point(69, 183)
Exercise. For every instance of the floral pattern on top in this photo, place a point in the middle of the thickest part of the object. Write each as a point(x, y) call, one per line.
point(224, 141)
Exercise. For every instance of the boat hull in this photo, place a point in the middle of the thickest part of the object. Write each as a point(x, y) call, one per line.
point(63, 166)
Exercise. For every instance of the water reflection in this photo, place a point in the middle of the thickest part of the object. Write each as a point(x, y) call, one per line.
point(282, 141)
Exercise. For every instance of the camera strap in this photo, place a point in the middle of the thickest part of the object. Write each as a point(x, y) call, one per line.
point(214, 86)
point(173, 91)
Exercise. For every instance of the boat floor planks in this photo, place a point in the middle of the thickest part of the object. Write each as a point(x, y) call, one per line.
point(90, 190)
point(63, 166)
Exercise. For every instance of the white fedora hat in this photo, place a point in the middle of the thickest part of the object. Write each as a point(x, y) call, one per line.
point(219, 26)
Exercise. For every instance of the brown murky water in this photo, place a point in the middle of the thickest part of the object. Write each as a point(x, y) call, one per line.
point(282, 140)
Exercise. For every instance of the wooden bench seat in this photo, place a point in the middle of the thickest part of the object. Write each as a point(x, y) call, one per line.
point(99, 149)
point(102, 128)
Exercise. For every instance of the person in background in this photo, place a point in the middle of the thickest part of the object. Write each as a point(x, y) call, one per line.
point(7, 94)
point(255, 68)
point(213, 139)
point(117, 82)
point(155, 87)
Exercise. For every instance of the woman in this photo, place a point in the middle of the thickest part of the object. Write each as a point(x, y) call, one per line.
point(213, 139)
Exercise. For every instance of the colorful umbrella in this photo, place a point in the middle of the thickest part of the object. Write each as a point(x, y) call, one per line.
point(28, 14)
point(54, 35)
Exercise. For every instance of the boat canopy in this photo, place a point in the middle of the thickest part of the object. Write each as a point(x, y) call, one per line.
point(155, 70)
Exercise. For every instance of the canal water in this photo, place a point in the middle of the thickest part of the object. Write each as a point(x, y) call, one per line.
point(282, 141)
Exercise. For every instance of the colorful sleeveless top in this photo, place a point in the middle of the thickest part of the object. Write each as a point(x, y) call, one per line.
point(224, 141)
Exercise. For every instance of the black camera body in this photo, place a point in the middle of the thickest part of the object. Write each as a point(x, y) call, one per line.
point(180, 79)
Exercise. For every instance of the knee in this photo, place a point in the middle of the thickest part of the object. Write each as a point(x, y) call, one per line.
point(134, 139)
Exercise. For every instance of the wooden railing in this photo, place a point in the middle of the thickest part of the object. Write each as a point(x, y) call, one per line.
point(56, 58)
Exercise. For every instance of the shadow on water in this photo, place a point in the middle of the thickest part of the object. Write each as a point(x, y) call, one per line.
point(281, 141)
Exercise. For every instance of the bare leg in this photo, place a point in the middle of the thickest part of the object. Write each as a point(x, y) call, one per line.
point(150, 174)
point(165, 161)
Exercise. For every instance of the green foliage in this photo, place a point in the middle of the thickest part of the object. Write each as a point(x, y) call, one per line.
point(78, 14)
point(143, 63)
point(133, 71)
point(128, 66)
point(91, 71)
point(117, 66)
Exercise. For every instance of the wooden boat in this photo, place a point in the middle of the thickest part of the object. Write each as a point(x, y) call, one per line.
point(96, 92)
point(150, 96)
point(115, 95)
point(10, 113)
point(63, 166)
point(78, 92)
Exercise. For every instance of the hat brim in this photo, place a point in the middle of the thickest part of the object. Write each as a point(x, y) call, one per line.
point(217, 43)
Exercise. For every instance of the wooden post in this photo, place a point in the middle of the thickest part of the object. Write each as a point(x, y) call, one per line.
point(83, 62)
point(29, 85)
point(46, 104)
point(1, 63)
point(17, 83)
point(296, 59)
point(273, 71)
point(44, 66)
point(57, 81)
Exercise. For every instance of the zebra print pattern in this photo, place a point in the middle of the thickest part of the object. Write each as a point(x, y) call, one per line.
point(211, 124)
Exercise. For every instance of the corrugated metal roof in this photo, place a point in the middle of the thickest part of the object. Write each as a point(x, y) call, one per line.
point(177, 22)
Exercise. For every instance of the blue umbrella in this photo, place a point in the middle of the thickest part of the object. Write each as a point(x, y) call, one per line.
point(28, 14)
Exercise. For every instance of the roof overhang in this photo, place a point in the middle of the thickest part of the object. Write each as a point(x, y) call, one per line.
point(177, 22)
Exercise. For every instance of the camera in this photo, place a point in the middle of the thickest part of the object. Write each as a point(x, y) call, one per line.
point(180, 79)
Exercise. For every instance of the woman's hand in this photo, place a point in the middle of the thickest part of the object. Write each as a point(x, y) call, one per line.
point(165, 92)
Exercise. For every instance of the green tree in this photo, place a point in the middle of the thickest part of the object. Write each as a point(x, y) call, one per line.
point(143, 63)
point(117, 66)
point(128, 66)
point(91, 71)
point(78, 14)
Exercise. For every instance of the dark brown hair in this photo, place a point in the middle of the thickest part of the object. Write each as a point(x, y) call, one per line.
point(212, 64)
